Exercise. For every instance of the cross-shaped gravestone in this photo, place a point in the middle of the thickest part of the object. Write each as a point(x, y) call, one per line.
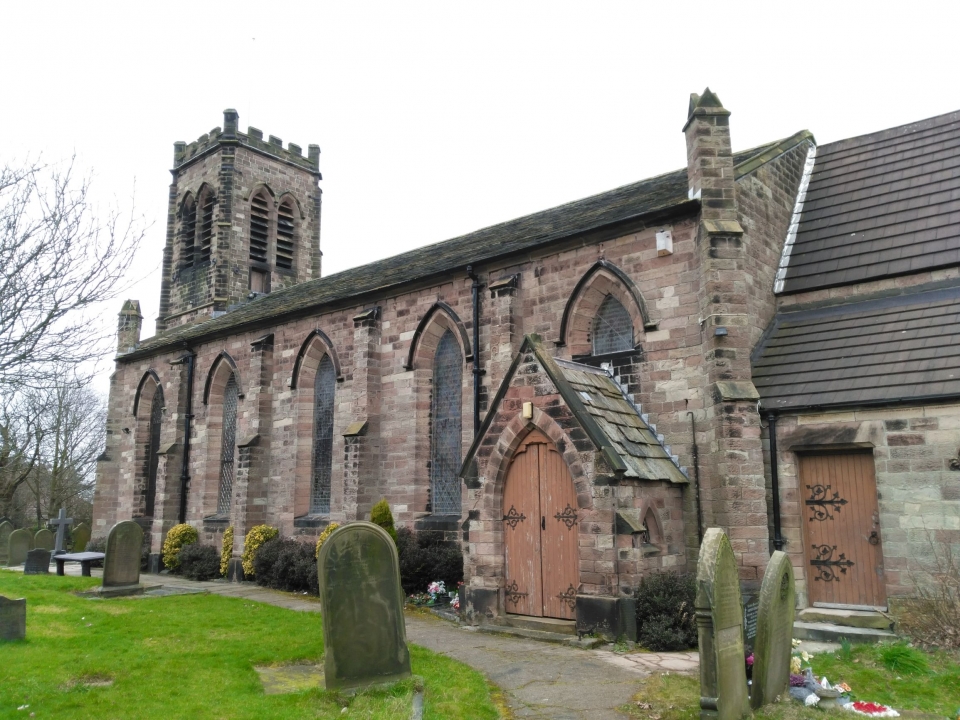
point(62, 522)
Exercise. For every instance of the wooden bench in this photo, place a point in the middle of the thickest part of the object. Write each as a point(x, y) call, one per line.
point(84, 558)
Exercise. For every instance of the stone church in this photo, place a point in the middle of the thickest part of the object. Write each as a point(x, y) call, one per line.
point(764, 341)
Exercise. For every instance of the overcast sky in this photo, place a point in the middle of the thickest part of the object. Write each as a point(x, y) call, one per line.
point(436, 119)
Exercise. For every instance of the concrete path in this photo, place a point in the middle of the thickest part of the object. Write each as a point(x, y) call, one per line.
point(540, 680)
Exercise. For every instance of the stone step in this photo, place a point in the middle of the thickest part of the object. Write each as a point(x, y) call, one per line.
point(554, 625)
point(829, 632)
point(848, 618)
point(542, 636)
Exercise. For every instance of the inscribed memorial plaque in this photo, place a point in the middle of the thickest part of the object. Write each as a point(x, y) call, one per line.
point(121, 566)
point(19, 544)
point(771, 651)
point(44, 539)
point(365, 639)
point(37, 562)
point(81, 536)
point(13, 618)
point(5, 529)
point(723, 677)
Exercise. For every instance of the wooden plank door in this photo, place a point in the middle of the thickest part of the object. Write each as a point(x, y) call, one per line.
point(560, 527)
point(521, 533)
point(540, 529)
point(842, 529)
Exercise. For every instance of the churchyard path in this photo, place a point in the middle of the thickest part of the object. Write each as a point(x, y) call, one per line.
point(540, 680)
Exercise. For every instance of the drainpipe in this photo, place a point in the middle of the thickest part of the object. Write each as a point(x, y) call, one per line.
point(188, 360)
point(477, 372)
point(696, 475)
point(778, 542)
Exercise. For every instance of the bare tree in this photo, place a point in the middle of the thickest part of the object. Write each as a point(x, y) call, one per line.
point(21, 440)
point(59, 258)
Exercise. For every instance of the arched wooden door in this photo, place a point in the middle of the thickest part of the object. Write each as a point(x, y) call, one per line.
point(540, 529)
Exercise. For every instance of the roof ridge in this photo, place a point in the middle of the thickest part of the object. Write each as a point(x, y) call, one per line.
point(888, 133)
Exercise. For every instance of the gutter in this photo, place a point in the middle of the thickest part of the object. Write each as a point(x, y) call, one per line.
point(778, 542)
point(477, 370)
point(187, 360)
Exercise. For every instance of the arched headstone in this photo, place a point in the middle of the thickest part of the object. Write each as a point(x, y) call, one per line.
point(81, 536)
point(364, 636)
point(121, 566)
point(37, 562)
point(44, 540)
point(6, 528)
point(723, 675)
point(771, 651)
point(19, 544)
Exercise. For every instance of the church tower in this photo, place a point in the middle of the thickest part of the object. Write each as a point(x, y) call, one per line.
point(243, 219)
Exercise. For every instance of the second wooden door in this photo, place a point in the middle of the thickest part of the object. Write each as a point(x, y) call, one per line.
point(541, 528)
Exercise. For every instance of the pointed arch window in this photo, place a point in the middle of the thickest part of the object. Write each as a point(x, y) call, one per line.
point(612, 328)
point(188, 231)
point(228, 445)
point(446, 441)
point(285, 235)
point(324, 390)
point(153, 448)
point(204, 242)
point(259, 227)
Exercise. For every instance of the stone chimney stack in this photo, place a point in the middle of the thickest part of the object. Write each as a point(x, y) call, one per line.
point(128, 328)
point(710, 157)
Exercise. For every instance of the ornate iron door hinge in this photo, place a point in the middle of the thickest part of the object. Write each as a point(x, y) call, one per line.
point(819, 501)
point(826, 566)
point(569, 597)
point(513, 593)
point(568, 516)
point(512, 518)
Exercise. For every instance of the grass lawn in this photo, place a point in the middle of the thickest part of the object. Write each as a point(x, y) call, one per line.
point(901, 677)
point(191, 656)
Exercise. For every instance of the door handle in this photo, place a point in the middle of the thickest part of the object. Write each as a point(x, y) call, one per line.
point(543, 522)
point(874, 539)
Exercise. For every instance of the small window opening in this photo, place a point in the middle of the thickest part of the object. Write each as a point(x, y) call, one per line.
point(258, 281)
point(285, 229)
point(259, 228)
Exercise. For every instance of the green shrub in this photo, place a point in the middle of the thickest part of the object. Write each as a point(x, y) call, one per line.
point(199, 562)
point(98, 544)
point(666, 620)
point(178, 536)
point(380, 515)
point(286, 564)
point(425, 557)
point(226, 550)
point(327, 532)
point(257, 536)
point(903, 659)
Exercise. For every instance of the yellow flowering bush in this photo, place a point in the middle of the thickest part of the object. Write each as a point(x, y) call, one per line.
point(327, 532)
point(257, 536)
point(226, 550)
point(178, 536)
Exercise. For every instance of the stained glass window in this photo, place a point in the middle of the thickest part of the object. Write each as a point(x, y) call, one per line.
point(323, 393)
point(446, 443)
point(228, 445)
point(612, 328)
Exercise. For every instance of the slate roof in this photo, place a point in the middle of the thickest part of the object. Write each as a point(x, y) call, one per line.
point(604, 411)
point(658, 195)
point(880, 205)
point(895, 349)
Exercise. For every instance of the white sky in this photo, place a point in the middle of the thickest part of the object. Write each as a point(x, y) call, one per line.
point(436, 119)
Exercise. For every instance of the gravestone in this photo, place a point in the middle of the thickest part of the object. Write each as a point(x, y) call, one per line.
point(5, 529)
point(771, 652)
point(63, 524)
point(751, 607)
point(723, 676)
point(365, 639)
point(37, 562)
point(121, 566)
point(13, 618)
point(81, 536)
point(44, 539)
point(19, 544)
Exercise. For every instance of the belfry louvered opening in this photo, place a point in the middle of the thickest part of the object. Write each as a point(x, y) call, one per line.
point(205, 233)
point(228, 445)
point(259, 228)
point(285, 235)
point(446, 441)
point(612, 328)
point(324, 391)
point(188, 231)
